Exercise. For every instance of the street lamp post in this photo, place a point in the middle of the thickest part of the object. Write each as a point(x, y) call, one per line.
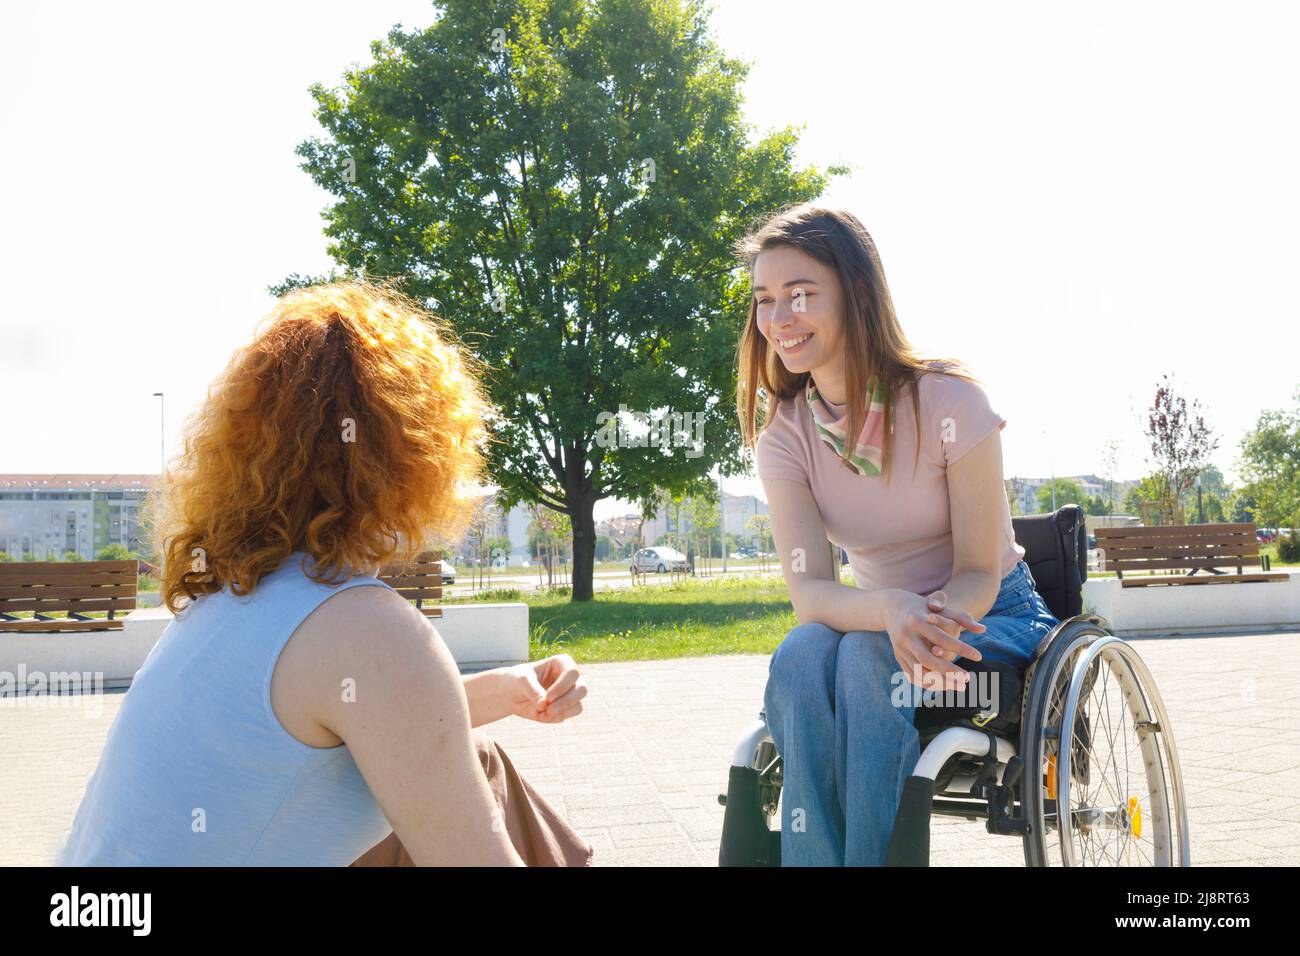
point(162, 434)
point(722, 521)
point(1051, 460)
point(162, 454)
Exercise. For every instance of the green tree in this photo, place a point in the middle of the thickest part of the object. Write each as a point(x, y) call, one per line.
point(1150, 499)
point(1240, 507)
point(1213, 486)
point(114, 552)
point(1068, 491)
point(564, 181)
point(1270, 466)
point(498, 547)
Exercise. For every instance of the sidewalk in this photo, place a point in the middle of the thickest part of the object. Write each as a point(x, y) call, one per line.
point(639, 772)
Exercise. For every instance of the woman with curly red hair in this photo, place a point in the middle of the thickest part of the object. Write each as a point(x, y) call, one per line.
point(298, 711)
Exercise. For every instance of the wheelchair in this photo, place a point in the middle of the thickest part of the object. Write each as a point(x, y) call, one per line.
point(1107, 793)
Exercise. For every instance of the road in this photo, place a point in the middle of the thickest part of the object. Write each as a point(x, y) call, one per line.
point(601, 580)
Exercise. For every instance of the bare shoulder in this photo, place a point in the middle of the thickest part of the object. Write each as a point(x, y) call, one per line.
point(366, 606)
point(364, 635)
point(367, 670)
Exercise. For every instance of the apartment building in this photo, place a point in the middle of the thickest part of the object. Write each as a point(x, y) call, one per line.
point(47, 516)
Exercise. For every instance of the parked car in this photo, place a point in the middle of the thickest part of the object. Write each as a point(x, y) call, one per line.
point(448, 572)
point(658, 560)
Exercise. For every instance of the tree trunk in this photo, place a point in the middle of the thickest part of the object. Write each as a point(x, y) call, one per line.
point(583, 518)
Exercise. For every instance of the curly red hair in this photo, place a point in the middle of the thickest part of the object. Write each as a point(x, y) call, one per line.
point(350, 428)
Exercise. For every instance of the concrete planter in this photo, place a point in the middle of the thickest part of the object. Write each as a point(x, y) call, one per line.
point(479, 636)
point(1244, 607)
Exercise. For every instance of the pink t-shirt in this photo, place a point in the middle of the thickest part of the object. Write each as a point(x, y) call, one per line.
point(897, 535)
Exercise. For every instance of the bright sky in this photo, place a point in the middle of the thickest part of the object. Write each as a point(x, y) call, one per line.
point(1072, 199)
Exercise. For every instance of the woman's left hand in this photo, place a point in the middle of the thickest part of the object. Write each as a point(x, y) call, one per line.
point(548, 691)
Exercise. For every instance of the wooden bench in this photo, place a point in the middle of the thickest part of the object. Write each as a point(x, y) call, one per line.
point(419, 580)
point(1199, 550)
point(73, 588)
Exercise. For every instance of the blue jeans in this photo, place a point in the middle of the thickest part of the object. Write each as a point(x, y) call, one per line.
point(847, 743)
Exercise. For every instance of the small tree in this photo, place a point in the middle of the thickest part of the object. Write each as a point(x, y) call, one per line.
point(1181, 445)
point(1110, 466)
point(761, 525)
point(705, 516)
point(498, 549)
point(553, 534)
point(1015, 488)
point(657, 500)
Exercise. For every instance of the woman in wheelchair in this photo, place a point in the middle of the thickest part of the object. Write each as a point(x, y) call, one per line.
point(898, 459)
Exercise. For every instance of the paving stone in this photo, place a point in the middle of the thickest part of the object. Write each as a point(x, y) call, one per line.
point(638, 773)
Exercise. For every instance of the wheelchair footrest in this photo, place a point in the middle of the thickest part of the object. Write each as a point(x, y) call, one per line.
point(746, 838)
point(909, 845)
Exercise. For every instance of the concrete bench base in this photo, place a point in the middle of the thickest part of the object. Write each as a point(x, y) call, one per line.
point(1243, 607)
point(479, 636)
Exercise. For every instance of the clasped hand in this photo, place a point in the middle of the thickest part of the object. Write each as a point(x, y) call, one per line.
point(924, 633)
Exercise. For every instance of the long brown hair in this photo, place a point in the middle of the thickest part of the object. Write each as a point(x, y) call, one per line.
point(875, 347)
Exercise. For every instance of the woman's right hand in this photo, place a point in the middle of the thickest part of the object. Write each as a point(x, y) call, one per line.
point(917, 642)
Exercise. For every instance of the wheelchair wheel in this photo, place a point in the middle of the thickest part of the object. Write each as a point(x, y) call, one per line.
point(1108, 791)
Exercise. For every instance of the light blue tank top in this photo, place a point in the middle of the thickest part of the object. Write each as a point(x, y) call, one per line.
point(198, 771)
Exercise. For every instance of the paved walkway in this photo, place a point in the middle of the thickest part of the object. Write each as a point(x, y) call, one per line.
point(638, 773)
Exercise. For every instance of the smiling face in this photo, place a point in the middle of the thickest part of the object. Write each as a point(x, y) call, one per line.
point(799, 311)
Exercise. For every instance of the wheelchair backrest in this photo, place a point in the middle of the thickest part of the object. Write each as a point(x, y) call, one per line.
point(1056, 550)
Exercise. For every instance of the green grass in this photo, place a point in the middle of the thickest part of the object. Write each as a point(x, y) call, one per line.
point(691, 619)
point(688, 619)
point(1271, 551)
point(505, 595)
